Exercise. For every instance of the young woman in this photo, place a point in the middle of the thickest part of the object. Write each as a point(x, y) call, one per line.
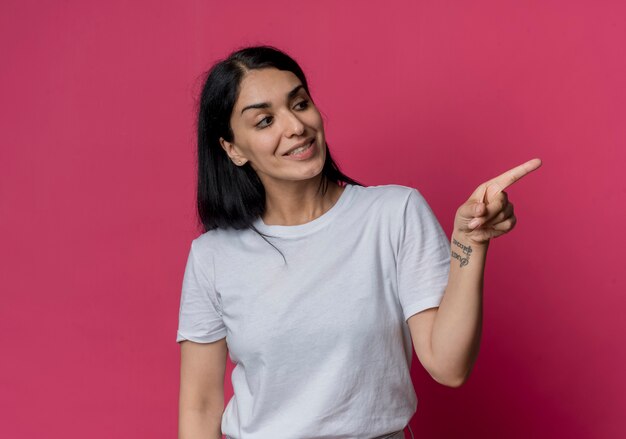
point(316, 286)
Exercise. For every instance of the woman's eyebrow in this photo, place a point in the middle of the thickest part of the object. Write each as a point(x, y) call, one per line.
point(290, 95)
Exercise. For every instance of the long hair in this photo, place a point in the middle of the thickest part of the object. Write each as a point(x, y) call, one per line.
point(230, 196)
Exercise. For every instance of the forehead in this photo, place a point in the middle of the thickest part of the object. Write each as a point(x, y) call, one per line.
point(265, 85)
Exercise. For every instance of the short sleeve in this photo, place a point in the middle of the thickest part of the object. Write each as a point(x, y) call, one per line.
point(200, 315)
point(423, 257)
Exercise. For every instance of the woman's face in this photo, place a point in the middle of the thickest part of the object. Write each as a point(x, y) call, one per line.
point(272, 115)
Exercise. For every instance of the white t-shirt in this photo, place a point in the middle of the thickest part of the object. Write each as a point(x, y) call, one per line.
point(321, 346)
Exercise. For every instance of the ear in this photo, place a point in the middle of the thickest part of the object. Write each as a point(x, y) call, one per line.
point(232, 151)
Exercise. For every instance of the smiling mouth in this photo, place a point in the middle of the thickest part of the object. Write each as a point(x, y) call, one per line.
point(300, 148)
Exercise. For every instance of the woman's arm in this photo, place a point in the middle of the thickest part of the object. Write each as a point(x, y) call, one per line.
point(447, 339)
point(201, 401)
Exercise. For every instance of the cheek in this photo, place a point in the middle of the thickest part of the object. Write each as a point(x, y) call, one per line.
point(315, 119)
point(266, 141)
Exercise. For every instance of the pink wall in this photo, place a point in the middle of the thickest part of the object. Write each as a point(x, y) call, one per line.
point(97, 180)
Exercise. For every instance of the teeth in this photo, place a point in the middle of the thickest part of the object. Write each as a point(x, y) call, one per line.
point(299, 150)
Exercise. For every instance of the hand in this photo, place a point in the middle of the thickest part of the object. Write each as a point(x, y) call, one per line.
point(488, 213)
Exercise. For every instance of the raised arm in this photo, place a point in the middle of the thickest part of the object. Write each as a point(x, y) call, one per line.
point(447, 338)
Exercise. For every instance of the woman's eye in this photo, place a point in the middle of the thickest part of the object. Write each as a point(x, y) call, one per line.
point(304, 104)
point(261, 125)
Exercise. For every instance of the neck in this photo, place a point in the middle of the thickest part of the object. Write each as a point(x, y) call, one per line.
point(298, 202)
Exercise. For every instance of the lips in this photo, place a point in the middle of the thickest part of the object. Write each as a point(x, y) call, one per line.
point(306, 142)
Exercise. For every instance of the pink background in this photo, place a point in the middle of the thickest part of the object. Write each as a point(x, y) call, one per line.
point(97, 194)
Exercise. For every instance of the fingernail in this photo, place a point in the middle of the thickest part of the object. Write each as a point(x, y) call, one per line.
point(474, 223)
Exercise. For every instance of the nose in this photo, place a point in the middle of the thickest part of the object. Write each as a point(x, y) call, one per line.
point(293, 125)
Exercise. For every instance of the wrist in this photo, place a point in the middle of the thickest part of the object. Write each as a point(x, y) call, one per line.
point(467, 240)
point(464, 250)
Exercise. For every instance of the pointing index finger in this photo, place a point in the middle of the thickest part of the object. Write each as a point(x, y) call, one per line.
point(502, 181)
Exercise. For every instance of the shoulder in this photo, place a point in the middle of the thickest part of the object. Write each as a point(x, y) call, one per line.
point(389, 196)
point(389, 204)
point(209, 242)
